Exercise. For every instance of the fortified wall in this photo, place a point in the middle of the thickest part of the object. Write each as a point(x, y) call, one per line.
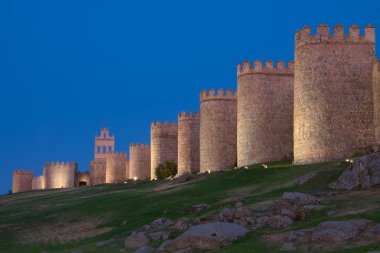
point(60, 175)
point(264, 112)
point(117, 168)
point(218, 142)
point(38, 183)
point(22, 180)
point(376, 95)
point(163, 143)
point(333, 93)
point(82, 179)
point(98, 171)
point(329, 99)
point(139, 161)
point(188, 143)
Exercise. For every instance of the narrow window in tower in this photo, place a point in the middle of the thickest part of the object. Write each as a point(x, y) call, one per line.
point(98, 149)
point(110, 149)
point(104, 149)
point(104, 135)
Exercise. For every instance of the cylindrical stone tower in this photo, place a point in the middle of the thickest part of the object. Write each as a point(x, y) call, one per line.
point(163, 144)
point(139, 161)
point(376, 95)
point(333, 93)
point(188, 143)
point(264, 112)
point(22, 180)
point(217, 130)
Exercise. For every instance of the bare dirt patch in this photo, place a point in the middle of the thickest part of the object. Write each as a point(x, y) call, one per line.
point(61, 231)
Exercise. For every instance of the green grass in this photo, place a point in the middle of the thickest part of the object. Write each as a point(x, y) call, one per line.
point(141, 202)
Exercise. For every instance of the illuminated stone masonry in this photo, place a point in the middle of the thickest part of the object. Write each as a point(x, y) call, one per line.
point(325, 106)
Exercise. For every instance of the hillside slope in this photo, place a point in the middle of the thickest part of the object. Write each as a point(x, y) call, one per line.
point(79, 218)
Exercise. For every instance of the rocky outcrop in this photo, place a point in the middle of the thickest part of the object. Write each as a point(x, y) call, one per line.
point(182, 224)
point(363, 174)
point(331, 233)
point(199, 207)
point(337, 231)
point(296, 205)
point(238, 215)
point(279, 221)
point(161, 223)
point(159, 236)
point(205, 237)
point(300, 198)
point(145, 249)
point(136, 240)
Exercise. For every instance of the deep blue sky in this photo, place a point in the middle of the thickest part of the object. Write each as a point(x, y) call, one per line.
point(68, 68)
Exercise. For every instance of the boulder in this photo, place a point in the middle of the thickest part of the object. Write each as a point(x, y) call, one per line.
point(158, 236)
point(145, 249)
point(205, 237)
point(373, 232)
point(164, 245)
point(283, 207)
point(199, 207)
point(364, 173)
point(299, 236)
point(300, 198)
point(262, 220)
point(227, 215)
point(279, 221)
point(292, 210)
point(337, 231)
point(235, 215)
point(136, 240)
point(182, 224)
point(161, 223)
point(288, 246)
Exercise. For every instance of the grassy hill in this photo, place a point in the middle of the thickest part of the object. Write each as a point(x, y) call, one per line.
point(78, 218)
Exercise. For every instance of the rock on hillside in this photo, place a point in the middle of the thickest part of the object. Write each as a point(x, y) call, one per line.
point(205, 237)
point(364, 173)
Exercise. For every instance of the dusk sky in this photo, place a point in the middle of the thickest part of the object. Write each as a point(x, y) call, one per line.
point(68, 68)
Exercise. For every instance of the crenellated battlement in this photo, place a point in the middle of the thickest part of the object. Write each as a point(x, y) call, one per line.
point(24, 172)
point(305, 36)
point(188, 116)
point(117, 154)
point(61, 165)
point(220, 95)
point(259, 68)
point(22, 180)
point(139, 146)
point(60, 174)
point(158, 125)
